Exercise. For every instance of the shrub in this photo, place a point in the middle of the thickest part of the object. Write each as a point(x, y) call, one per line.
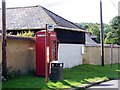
point(26, 33)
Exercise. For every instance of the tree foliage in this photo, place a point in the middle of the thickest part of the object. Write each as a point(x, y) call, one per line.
point(94, 29)
point(111, 31)
point(113, 36)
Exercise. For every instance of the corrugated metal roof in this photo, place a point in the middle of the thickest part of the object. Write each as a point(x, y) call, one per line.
point(33, 17)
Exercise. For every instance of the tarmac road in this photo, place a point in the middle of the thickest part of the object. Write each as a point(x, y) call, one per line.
point(109, 85)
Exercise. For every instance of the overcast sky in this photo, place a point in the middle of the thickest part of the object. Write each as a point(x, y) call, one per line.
point(74, 10)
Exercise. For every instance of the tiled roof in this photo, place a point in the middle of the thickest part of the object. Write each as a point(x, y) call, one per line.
point(34, 17)
point(60, 21)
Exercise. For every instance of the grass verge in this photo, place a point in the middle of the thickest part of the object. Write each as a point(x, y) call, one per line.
point(74, 77)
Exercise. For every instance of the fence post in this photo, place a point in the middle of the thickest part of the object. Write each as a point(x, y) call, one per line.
point(118, 54)
point(111, 54)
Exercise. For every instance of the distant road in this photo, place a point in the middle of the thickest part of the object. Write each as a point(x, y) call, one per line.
point(109, 85)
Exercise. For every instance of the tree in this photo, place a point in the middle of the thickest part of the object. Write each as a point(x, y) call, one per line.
point(111, 31)
point(113, 36)
point(94, 29)
point(83, 25)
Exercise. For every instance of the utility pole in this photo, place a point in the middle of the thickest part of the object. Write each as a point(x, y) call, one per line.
point(4, 63)
point(46, 54)
point(101, 35)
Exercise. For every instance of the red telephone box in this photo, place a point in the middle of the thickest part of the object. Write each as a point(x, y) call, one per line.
point(52, 51)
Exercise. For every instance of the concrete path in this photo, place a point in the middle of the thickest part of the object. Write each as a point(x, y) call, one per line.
point(109, 85)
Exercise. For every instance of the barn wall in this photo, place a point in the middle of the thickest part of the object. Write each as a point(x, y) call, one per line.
point(70, 37)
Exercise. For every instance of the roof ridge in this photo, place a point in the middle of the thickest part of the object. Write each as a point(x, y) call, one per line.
point(22, 7)
point(48, 14)
point(61, 17)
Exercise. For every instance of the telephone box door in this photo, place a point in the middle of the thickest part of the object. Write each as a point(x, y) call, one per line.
point(41, 51)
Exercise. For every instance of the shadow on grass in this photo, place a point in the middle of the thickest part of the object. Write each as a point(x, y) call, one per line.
point(67, 84)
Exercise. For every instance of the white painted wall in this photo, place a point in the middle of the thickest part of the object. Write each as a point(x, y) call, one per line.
point(70, 54)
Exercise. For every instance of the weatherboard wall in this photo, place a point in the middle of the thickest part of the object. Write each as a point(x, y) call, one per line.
point(70, 37)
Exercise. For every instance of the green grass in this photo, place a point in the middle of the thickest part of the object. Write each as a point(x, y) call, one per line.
point(74, 77)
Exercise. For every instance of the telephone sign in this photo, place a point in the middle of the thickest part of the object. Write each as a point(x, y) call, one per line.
point(50, 27)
